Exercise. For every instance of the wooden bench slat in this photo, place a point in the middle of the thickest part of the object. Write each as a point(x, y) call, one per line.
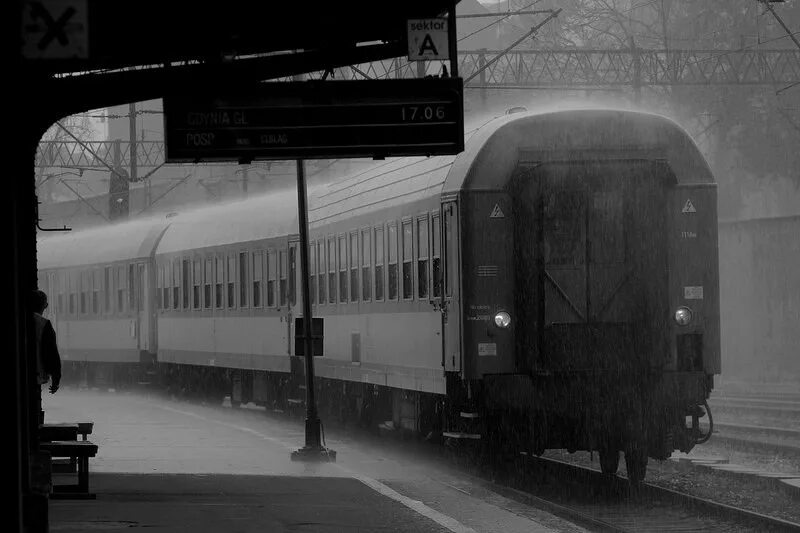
point(73, 448)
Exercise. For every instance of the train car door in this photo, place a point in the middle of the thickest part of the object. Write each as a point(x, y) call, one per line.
point(451, 295)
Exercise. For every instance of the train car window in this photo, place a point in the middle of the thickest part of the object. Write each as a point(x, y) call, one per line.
point(166, 289)
point(61, 292)
point(354, 266)
point(312, 274)
point(380, 250)
point(343, 269)
point(230, 276)
point(132, 286)
point(292, 275)
point(408, 260)
point(258, 272)
point(272, 273)
point(219, 284)
point(197, 278)
point(332, 271)
point(321, 271)
point(96, 292)
point(122, 285)
point(606, 230)
point(243, 279)
point(564, 228)
point(366, 264)
point(160, 287)
point(208, 278)
point(393, 272)
point(107, 289)
point(282, 276)
point(72, 291)
point(422, 257)
point(176, 283)
point(185, 277)
point(84, 291)
point(436, 253)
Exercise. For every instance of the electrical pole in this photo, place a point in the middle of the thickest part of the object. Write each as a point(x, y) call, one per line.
point(132, 122)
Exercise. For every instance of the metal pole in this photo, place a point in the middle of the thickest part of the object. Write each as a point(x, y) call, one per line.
point(452, 41)
point(133, 157)
point(313, 450)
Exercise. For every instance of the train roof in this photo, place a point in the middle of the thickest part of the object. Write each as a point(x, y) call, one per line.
point(118, 242)
point(254, 219)
point(492, 152)
point(491, 155)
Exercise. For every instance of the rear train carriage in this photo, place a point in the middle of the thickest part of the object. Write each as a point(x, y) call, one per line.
point(589, 282)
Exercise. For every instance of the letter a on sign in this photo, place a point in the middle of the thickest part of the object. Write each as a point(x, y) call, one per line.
point(688, 207)
point(497, 212)
point(427, 39)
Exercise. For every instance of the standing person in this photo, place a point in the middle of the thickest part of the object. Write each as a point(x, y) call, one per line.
point(48, 360)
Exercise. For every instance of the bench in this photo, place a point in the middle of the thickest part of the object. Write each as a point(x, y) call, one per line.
point(65, 432)
point(82, 450)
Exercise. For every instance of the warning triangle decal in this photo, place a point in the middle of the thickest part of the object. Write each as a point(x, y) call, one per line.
point(689, 207)
point(497, 212)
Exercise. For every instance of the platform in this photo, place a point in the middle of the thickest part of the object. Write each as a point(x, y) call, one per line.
point(215, 503)
point(169, 465)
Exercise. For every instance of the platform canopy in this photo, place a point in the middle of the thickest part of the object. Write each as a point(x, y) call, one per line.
point(98, 34)
point(112, 55)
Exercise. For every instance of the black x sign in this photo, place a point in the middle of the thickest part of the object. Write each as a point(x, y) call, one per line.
point(55, 28)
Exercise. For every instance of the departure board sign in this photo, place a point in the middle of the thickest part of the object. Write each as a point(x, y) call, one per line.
point(317, 120)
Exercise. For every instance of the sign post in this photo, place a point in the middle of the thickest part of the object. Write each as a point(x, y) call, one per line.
point(322, 119)
point(313, 450)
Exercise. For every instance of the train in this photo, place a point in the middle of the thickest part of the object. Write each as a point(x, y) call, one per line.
point(553, 286)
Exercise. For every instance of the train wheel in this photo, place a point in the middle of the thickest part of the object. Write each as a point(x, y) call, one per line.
point(636, 463)
point(609, 460)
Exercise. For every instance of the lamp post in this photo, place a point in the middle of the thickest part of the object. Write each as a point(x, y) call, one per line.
point(313, 450)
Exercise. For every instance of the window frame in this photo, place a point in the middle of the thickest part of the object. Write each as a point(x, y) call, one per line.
point(332, 269)
point(243, 278)
point(366, 280)
point(389, 227)
point(420, 268)
point(437, 282)
point(343, 271)
point(283, 273)
point(272, 278)
point(219, 281)
point(257, 277)
point(231, 275)
point(197, 283)
point(407, 223)
point(380, 281)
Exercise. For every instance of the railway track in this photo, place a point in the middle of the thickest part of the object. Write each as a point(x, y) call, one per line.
point(758, 423)
point(584, 496)
point(608, 503)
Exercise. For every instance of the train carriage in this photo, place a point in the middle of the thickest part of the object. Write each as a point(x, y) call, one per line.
point(100, 290)
point(594, 234)
point(553, 286)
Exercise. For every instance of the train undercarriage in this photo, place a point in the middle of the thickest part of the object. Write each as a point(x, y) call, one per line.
point(500, 415)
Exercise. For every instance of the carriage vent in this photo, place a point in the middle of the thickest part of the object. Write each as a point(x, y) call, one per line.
point(487, 271)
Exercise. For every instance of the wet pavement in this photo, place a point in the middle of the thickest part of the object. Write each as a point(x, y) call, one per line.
point(168, 465)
